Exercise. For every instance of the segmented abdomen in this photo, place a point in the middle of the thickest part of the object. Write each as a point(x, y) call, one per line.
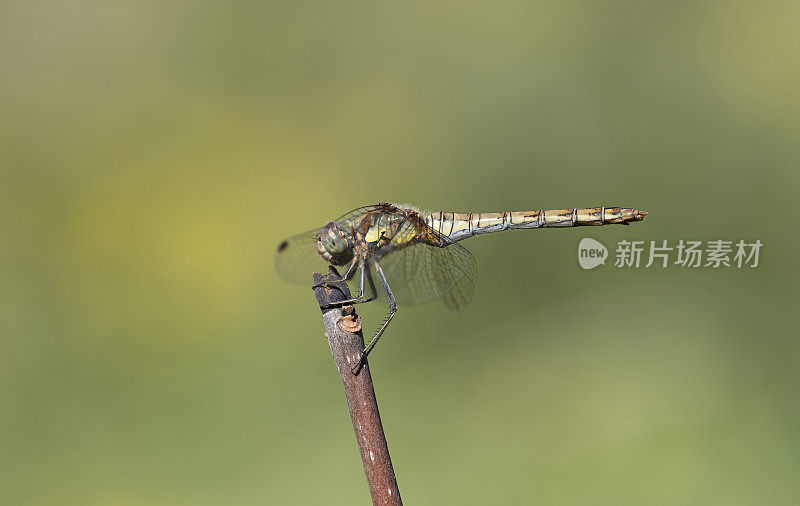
point(457, 226)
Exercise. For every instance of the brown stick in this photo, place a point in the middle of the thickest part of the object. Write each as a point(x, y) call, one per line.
point(343, 330)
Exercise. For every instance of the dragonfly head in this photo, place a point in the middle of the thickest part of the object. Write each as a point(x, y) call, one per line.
point(333, 245)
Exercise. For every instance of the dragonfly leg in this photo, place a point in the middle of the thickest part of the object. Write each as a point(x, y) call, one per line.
point(360, 298)
point(392, 311)
point(351, 269)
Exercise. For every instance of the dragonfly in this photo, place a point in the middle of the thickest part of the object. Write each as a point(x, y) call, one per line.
point(415, 255)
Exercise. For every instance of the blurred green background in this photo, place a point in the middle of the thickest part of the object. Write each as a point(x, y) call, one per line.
point(153, 154)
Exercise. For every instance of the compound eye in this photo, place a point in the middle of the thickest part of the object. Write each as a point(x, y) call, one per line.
point(333, 245)
point(330, 243)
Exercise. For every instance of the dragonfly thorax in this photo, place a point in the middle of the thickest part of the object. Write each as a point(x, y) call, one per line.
point(333, 245)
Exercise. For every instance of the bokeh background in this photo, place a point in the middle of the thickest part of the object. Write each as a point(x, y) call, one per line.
point(153, 154)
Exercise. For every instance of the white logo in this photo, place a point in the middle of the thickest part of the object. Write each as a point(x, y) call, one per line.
point(591, 253)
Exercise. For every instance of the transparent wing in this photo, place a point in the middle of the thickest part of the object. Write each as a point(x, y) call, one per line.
point(356, 214)
point(296, 259)
point(424, 273)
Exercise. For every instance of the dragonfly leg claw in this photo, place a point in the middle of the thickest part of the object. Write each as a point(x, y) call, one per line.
point(340, 303)
point(362, 359)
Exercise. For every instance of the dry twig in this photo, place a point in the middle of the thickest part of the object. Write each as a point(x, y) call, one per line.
point(343, 330)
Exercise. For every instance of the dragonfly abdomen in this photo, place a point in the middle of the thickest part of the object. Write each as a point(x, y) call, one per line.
point(457, 226)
